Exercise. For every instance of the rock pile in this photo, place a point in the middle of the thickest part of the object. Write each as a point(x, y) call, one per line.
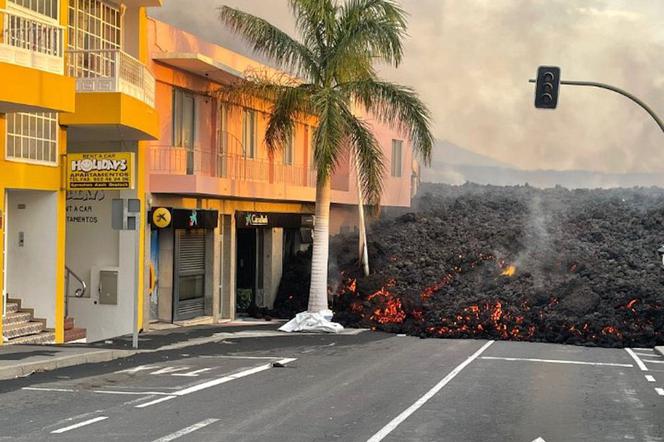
point(513, 263)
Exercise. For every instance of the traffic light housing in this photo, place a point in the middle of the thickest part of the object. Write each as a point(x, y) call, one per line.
point(546, 91)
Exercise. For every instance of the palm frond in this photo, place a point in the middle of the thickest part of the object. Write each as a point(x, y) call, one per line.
point(397, 106)
point(369, 157)
point(315, 21)
point(374, 28)
point(331, 130)
point(271, 42)
point(291, 103)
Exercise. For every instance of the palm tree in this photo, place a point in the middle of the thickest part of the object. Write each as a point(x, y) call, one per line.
point(333, 63)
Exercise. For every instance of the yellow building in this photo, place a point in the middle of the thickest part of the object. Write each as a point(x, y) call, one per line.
point(73, 79)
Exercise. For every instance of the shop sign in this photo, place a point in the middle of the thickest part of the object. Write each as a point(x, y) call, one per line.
point(256, 219)
point(249, 220)
point(163, 218)
point(100, 171)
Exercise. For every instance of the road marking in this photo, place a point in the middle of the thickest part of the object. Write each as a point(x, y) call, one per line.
point(559, 361)
point(134, 393)
point(137, 369)
point(156, 401)
point(60, 390)
point(187, 430)
point(653, 362)
point(224, 379)
point(641, 348)
point(638, 361)
point(650, 378)
point(660, 391)
point(194, 373)
point(79, 425)
point(237, 357)
point(169, 370)
point(648, 355)
point(539, 439)
point(394, 423)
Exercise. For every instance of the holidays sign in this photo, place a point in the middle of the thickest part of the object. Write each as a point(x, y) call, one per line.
point(100, 171)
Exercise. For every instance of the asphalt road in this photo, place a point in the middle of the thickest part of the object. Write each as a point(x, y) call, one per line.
point(349, 388)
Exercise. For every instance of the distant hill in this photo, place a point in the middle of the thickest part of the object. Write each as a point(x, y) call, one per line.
point(455, 165)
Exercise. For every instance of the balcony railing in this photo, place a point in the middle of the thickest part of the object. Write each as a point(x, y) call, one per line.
point(30, 42)
point(111, 70)
point(171, 160)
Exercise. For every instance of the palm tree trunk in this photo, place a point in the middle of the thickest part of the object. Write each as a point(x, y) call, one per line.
point(319, 260)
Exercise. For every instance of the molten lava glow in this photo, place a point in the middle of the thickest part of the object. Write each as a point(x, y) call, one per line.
point(631, 303)
point(610, 330)
point(392, 313)
point(509, 271)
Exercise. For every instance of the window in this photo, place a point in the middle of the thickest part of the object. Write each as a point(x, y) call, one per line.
point(48, 8)
point(184, 118)
point(94, 35)
point(397, 147)
point(33, 137)
point(249, 131)
point(288, 149)
point(222, 141)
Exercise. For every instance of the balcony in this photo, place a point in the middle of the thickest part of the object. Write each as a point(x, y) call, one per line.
point(116, 97)
point(32, 65)
point(194, 171)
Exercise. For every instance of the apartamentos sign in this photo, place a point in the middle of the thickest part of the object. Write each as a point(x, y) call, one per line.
point(100, 171)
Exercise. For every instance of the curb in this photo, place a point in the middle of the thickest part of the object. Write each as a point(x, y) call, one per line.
point(23, 370)
point(660, 350)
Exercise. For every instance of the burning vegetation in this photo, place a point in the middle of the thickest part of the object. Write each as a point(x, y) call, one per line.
point(516, 263)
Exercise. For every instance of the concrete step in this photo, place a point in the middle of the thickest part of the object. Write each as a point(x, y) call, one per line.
point(69, 323)
point(75, 334)
point(46, 337)
point(23, 329)
point(13, 307)
point(17, 318)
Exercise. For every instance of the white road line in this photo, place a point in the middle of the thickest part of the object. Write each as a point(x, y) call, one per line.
point(559, 361)
point(660, 391)
point(223, 380)
point(648, 355)
point(237, 357)
point(79, 425)
point(169, 370)
point(156, 401)
point(60, 390)
point(638, 361)
point(187, 430)
point(133, 393)
point(194, 373)
point(394, 423)
point(641, 348)
point(653, 362)
point(650, 378)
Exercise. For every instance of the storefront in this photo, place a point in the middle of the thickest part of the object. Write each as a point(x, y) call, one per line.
point(264, 243)
point(184, 249)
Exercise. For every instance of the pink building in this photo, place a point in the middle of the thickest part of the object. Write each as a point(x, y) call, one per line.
point(226, 215)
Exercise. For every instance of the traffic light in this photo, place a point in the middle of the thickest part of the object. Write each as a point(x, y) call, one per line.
point(546, 91)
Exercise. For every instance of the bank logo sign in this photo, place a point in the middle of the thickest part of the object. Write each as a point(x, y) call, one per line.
point(100, 171)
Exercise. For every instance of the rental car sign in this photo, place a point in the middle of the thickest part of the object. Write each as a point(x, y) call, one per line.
point(100, 171)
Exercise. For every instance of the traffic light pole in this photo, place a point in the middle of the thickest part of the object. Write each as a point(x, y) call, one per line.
point(619, 91)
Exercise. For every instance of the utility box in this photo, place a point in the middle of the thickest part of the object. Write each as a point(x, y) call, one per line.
point(108, 287)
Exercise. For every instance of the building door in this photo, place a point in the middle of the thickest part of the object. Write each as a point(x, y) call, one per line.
point(246, 269)
point(189, 287)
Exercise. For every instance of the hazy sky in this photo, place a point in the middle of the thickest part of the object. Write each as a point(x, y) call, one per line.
point(471, 60)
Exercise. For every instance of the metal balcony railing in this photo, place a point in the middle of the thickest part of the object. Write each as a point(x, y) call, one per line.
point(111, 70)
point(169, 160)
point(30, 42)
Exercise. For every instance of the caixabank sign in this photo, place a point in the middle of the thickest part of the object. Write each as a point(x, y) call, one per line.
point(100, 171)
point(166, 217)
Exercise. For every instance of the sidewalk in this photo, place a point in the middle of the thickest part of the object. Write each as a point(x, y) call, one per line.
point(24, 360)
point(660, 350)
